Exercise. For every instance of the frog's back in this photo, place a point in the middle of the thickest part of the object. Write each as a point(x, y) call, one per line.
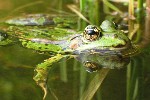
point(41, 32)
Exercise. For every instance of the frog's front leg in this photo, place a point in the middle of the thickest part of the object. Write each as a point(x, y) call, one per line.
point(42, 71)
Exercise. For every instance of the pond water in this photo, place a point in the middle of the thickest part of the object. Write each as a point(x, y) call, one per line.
point(68, 79)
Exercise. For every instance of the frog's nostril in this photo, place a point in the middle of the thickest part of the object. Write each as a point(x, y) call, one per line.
point(3, 35)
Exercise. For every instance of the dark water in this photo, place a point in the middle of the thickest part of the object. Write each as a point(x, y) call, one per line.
point(68, 79)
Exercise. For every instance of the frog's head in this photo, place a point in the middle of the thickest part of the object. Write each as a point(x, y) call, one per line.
point(107, 37)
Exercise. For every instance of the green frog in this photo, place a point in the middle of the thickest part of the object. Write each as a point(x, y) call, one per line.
point(106, 40)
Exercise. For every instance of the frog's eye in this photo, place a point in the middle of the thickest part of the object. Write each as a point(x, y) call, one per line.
point(91, 33)
point(91, 66)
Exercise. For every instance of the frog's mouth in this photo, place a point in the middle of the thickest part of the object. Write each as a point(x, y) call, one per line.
point(121, 47)
point(113, 50)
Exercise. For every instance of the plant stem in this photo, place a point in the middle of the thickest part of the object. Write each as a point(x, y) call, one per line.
point(131, 15)
point(112, 6)
point(94, 84)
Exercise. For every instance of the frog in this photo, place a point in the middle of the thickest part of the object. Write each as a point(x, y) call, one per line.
point(59, 43)
point(109, 49)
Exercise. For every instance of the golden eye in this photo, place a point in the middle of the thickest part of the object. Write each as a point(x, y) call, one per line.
point(91, 33)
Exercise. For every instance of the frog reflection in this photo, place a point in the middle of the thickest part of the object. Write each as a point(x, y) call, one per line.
point(94, 62)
